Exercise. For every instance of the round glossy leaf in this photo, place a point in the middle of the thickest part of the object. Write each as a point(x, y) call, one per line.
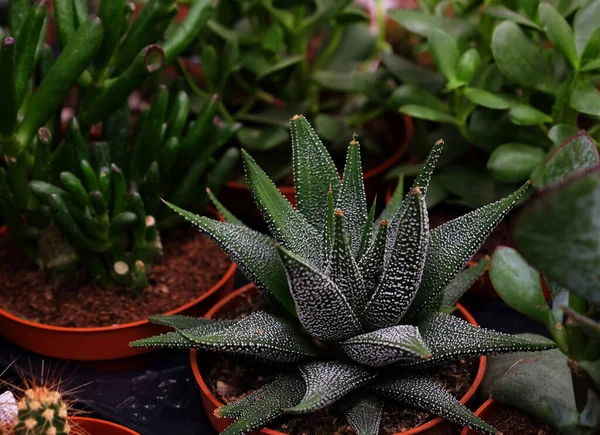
point(423, 112)
point(523, 114)
point(444, 50)
point(513, 162)
point(488, 99)
point(467, 66)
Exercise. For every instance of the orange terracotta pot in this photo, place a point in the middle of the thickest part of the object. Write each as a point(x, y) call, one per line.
point(93, 426)
point(238, 199)
point(484, 412)
point(103, 343)
point(437, 426)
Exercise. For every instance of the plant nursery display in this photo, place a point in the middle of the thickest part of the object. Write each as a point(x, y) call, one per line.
point(360, 303)
point(557, 234)
point(509, 78)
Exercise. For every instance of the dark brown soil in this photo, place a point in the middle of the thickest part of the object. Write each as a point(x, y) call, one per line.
point(191, 265)
point(512, 421)
point(231, 378)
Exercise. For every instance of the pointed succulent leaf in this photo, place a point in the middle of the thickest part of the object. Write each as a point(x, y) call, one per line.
point(402, 274)
point(364, 415)
point(452, 244)
point(387, 346)
point(329, 225)
point(253, 252)
point(352, 199)
point(327, 382)
point(261, 335)
point(287, 225)
point(371, 264)
point(423, 391)
point(179, 340)
point(264, 405)
point(185, 322)
point(450, 338)
point(395, 203)
point(314, 172)
point(463, 282)
point(322, 308)
point(227, 215)
point(367, 232)
point(343, 270)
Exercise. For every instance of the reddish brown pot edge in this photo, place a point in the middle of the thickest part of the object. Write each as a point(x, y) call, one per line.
point(370, 177)
point(105, 342)
point(210, 402)
point(93, 426)
point(484, 412)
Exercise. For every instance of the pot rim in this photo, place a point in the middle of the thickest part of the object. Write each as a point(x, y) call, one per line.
point(104, 423)
point(229, 274)
point(419, 429)
point(387, 164)
point(487, 405)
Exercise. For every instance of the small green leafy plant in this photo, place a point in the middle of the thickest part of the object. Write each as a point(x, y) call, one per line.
point(68, 202)
point(361, 294)
point(558, 235)
point(506, 73)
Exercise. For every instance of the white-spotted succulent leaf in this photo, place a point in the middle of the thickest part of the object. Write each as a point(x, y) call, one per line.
point(423, 391)
point(314, 172)
point(328, 381)
point(387, 346)
point(351, 283)
point(179, 321)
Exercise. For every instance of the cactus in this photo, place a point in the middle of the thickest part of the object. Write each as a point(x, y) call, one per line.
point(359, 298)
point(41, 412)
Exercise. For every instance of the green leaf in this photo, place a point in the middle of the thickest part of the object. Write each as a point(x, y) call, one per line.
point(467, 66)
point(364, 414)
point(403, 268)
point(185, 322)
point(463, 282)
point(518, 284)
point(352, 16)
point(227, 215)
point(287, 225)
point(371, 263)
point(578, 154)
point(262, 139)
point(330, 128)
point(351, 199)
point(524, 114)
point(412, 73)
point(585, 25)
point(367, 233)
point(591, 65)
point(526, 66)
point(585, 97)
point(506, 14)
point(422, 24)
point(557, 233)
point(387, 346)
point(444, 51)
point(489, 99)
point(422, 391)
point(514, 162)
point(322, 308)
point(259, 335)
point(177, 340)
point(559, 32)
point(452, 244)
point(450, 338)
point(395, 203)
point(314, 173)
point(427, 113)
point(273, 38)
point(253, 252)
point(328, 381)
point(590, 327)
point(560, 133)
point(264, 405)
point(281, 65)
point(409, 94)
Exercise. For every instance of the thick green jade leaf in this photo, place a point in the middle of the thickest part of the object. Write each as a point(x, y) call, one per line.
point(576, 155)
point(488, 99)
point(327, 381)
point(314, 172)
point(403, 271)
point(343, 270)
point(184, 322)
point(387, 346)
point(264, 405)
point(452, 244)
point(253, 252)
point(286, 224)
point(423, 391)
point(560, 133)
point(261, 335)
point(463, 282)
point(351, 199)
point(371, 264)
point(558, 234)
point(585, 25)
point(513, 162)
point(527, 66)
point(559, 32)
point(364, 415)
point(177, 340)
point(519, 284)
point(445, 53)
point(322, 308)
point(450, 338)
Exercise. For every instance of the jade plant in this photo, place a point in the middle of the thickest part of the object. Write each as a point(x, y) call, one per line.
point(69, 202)
point(505, 73)
point(269, 59)
point(557, 235)
point(359, 297)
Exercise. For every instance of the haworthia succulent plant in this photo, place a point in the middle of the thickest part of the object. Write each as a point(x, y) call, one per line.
point(352, 282)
